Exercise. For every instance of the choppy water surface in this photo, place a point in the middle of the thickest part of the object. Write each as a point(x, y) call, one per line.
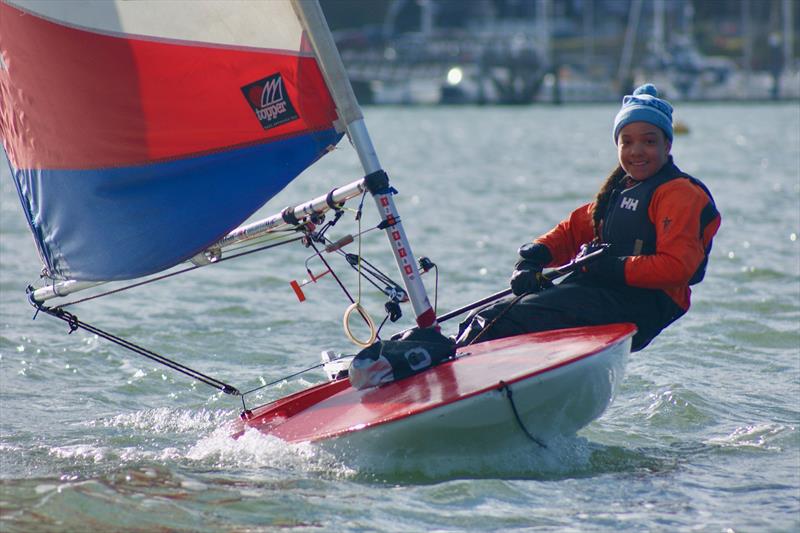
point(703, 435)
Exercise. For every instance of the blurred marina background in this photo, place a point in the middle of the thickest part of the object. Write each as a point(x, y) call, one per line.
point(704, 434)
point(519, 52)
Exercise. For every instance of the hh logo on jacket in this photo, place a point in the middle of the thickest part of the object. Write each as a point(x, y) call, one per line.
point(629, 203)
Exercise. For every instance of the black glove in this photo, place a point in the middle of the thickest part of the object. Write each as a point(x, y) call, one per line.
point(527, 275)
point(606, 270)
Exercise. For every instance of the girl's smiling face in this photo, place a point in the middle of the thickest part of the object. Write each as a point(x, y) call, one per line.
point(642, 149)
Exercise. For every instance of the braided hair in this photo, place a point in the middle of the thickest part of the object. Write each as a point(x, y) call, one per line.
point(614, 180)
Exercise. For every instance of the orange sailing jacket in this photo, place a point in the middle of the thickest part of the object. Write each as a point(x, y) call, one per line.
point(682, 238)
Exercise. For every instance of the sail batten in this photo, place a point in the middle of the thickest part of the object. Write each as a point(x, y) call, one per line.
point(140, 133)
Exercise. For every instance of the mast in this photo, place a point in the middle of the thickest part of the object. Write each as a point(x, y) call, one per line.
point(658, 29)
point(630, 41)
point(377, 182)
point(788, 35)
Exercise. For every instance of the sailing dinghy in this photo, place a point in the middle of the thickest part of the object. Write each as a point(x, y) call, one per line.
point(141, 136)
point(501, 393)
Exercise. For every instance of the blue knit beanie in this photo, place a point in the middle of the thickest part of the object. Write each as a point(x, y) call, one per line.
point(644, 105)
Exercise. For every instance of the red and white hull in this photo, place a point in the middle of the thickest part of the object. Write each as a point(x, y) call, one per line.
point(560, 381)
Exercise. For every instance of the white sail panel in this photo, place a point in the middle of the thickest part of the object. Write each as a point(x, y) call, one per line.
point(242, 23)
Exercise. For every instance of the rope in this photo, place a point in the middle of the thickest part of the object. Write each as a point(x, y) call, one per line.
point(328, 266)
point(380, 327)
point(356, 305)
point(75, 324)
point(368, 269)
point(373, 334)
point(336, 216)
point(364, 269)
point(358, 219)
point(436, 290)
point(284, 378)
point(504, 387)
point(502, 313)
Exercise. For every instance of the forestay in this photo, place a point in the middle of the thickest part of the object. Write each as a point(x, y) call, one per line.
point(140, 133)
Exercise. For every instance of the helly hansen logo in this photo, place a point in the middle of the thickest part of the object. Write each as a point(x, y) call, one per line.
point(629, 203)
point(269, 101)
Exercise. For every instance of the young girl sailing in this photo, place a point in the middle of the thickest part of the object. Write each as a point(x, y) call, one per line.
point(658, 222)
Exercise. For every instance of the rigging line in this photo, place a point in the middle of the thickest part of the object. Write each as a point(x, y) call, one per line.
point(504, 387)
point(364, 232)
point(511, 304)
point(183, 271)
point(377, 273)
point(361, 205)
point(367, 271)
point(358, 219)
point(378, 333)
point(356, 305)
point(337, 215)
point(320, 237)
point(436, 289)
point(372, 272)
point(370, 269)
point(75, 323)
point(328, 266)
point(284, 378)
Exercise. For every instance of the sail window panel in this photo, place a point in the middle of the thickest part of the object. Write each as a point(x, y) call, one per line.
point(239, 23)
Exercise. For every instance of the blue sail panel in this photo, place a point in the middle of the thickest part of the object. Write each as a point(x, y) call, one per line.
point(122, 223)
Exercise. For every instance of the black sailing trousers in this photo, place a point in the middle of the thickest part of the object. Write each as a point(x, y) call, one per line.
point(576, 301)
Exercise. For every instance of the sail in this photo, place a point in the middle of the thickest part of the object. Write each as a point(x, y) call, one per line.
point(139, 133)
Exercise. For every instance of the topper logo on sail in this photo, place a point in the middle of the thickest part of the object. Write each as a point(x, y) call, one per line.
point(269, 101)
point(272, 102)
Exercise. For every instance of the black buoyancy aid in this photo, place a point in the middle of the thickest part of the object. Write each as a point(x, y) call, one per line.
point(628, 228)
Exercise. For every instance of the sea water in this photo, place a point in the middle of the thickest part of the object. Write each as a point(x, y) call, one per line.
point(703, 434)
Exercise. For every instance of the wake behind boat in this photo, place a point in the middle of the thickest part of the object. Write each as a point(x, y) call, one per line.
point(146, 187)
